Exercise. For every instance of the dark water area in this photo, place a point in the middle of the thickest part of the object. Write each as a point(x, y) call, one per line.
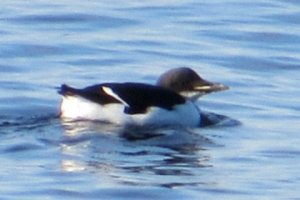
point(251, 46)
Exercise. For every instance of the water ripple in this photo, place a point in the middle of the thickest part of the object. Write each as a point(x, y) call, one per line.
point(67, 21)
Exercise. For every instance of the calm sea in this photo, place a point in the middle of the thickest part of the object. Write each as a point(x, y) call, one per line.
point(251, 46)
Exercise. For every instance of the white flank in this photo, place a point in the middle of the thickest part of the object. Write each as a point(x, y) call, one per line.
point(109, 91)
point(78, 108)
point(187, 114)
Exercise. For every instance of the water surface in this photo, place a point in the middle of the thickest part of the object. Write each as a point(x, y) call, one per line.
point(251, 46)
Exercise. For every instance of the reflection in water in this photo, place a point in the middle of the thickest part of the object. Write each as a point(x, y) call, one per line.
point(167, 157)
point(72, 166)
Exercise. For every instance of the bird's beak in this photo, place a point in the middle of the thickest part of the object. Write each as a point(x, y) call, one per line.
point(202, 88)
point(209, 87)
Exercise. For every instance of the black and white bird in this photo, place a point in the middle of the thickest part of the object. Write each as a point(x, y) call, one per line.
point(171, 102)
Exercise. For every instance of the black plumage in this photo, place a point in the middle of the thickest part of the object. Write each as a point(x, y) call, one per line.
point(138, 96)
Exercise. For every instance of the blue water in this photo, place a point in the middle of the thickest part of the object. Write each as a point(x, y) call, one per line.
point(251, 46)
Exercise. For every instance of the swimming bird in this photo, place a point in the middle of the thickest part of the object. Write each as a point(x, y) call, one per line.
point(164, 104)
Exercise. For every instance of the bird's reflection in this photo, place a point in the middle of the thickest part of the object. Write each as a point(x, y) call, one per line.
point(135, 155)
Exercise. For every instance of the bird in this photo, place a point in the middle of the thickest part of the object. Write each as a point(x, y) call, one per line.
point(171, 102)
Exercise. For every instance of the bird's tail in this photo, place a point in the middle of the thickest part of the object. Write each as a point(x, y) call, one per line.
point(66, 90)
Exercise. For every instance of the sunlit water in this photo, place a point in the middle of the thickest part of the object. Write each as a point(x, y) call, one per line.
point(252, 46)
